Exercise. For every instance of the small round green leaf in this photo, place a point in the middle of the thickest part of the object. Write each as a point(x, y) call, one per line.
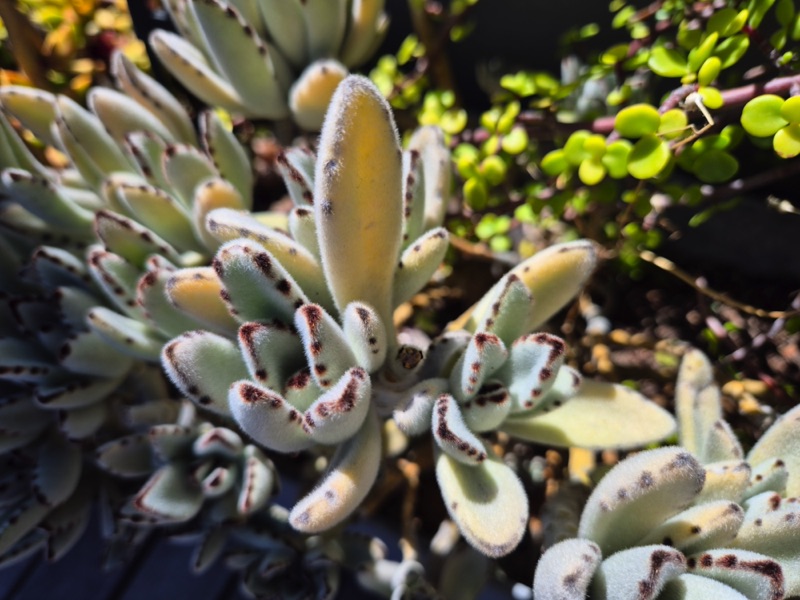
point(711, 97)
point(616, 158)
point(699, 54)
point(574, 151)
point(715, 166)
point(493, 168)
point(649, 157)
point(592, 171)
point(761, 116)
point(637, 120)
point(787, 141)
point(731, 50)
point(515, 142)
point(667, 62)
point(791, 109)
point(709, 71)
point(673, 123)
point(554, 163)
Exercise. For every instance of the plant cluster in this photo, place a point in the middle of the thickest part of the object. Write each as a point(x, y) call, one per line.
point(163, 346)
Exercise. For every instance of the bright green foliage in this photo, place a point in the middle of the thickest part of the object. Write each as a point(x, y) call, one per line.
point(771, 115)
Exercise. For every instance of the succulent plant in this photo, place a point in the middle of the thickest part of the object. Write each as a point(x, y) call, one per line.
point(307, 353)
point(662, 524)
point(269, 59)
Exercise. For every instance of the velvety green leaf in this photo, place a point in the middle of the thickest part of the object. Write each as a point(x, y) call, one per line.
point(638, 573)
point(153, 96)
point(128, 239)
point(259, 473)
point(692, 587)
point(169, 496)
point(413, 413)
point(487, 502)
point(121, 115)
point(228, 155)
point(484, 354)
point(709, 525)
point(452, 435)
point(46, 201)
point(256, 286)
point(258, 341)
point(350, 475)
point(185, 168)
point(35, 108)
point(418, 263)
point(129, 456)
point(366, 336)
point(203, 366)
point(58, 469)
point(565, 570)
point(130, 336)
point(327, 349)
point(639, 494)
point(781, 442)
point(754, 575)
point(531, 369)
point(599, 415)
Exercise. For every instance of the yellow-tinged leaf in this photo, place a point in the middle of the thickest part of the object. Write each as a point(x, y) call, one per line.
point(349, 478)
point(358, 206)
point(197, 293)
point(312, 92)
point(554, 276)
point(600, 415)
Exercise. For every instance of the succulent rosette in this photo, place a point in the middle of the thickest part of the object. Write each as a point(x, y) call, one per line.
point(269, 58)
point(301, 349)
point(697, 521)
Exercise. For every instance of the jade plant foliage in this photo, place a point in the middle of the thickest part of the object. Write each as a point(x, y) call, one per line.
point(699, 520)
point(302, 352)
point(269, 59)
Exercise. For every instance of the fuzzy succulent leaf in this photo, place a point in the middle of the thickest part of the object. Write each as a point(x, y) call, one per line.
point(358, 202)
point(638, 573)
point(313, 89)
point(130, 336)
point(198, 293)
point(699, 410)
point(260, 481)
point(566, 570)
point(484, 354)
point(710, 525)
point(228, 155)
point(36, 109)
point(754, 575)
point(227, 225)
point(638, 495)
point(487, 502)
point(533, 366)
point(489, 409)
point(130, 240)
point(327, 349)
point(153, 96)
point(418, 263)
point(771, 527)
point(781, 441)
point(188, 65)
point(58, 469)
point(767, 476)
point(121, 115)
point(152, 297)
point(286, 25)
point(128, 456)
point(352, 471)
point(434, 161)
point(326, 22)
point(452, 434)
point(599, 415)
point(725, 480)
point(413, 414)
point(694, 587)
point(46, 201)
point(203, 366)
point(87, 353)
point(249, 64)
point(70, 393)
point(366, 335)
point(258, 341)
point(169, 496)
point(185, 168)
point(296, 166)
point(554, 276)
point(256, 286)
point(93, 150)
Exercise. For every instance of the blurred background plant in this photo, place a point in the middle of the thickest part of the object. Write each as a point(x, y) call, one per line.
point(64, 45)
